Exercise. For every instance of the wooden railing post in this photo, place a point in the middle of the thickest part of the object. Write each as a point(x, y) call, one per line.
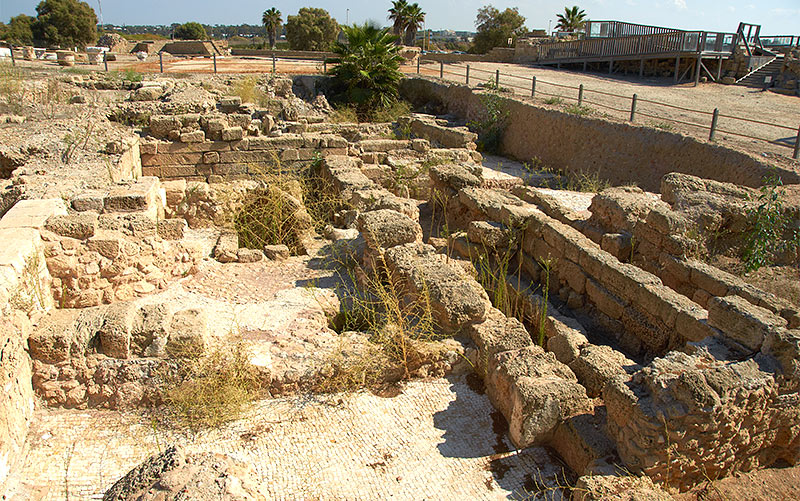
point(215, 62)
point(105, 60)
point(418, 59)
point(633, 107)
point(467, 82)
point(160, 62)
point(11, 49)
point(580, 95)
point(441, 69)
point(796, 153)
point(273, 64)
point(533, 86)
point(714, 120)
point(497, 79)
point(325, 65)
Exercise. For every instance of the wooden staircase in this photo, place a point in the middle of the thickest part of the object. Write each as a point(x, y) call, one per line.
point(758, 76)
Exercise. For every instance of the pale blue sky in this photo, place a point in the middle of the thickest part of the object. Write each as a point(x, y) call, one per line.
point(778, 17)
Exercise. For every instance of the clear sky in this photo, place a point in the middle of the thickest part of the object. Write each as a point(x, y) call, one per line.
point(778, 17)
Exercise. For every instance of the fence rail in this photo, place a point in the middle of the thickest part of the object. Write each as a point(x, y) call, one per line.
point(533, 87)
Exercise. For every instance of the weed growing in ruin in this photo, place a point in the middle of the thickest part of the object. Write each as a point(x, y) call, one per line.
point(581, 111)
point(28, 294)
point(343, 115)
point(662, 126)
point(205, 391)
point(74, 140)
point(391, 113)
point(132, 75)
point(491, 126)
point(250, 92)
point(769, 224)
point(11, 89)
point(439, 200)
point(553, 100)
point(541, 328)
point(587, 182)
point(494, 275)
point(397, 327)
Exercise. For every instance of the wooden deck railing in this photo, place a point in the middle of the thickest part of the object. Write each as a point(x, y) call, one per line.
point(614, 29)
point(680, 42)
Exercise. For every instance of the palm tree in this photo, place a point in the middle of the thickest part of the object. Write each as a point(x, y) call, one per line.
point(272, 23)
point(572, 20)
point(368, 74)
point(398, 14)
point(414, 19)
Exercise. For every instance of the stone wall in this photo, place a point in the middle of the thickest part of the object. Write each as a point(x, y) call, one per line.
point(720, 394)
point(24, 292)
point(618, 152)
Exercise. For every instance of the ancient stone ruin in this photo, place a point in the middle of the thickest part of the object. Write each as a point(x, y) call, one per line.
point(192, 226)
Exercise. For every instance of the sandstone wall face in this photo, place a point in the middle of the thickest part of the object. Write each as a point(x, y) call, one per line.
point(620, 153)
point(16, 402)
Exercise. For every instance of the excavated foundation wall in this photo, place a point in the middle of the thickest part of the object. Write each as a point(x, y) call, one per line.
point(619, 153)
point(721, 393)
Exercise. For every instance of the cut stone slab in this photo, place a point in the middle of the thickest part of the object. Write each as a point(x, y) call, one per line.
point(142, 195)
point(188, 333)
point(742, 321)
point(80, 226)
point(276, 252)
point(387, 228)
point(33, 213)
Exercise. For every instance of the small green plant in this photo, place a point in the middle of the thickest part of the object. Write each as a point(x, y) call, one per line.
point(553, 100)
point(492, 124)
point(12, 90)
point(581, 111)
point(769, 226)
point(250, 92)
point(74, 140)
point(662, 126)
point(391, 113)
point(541, 328)
point(343, 114)
point(131, 75)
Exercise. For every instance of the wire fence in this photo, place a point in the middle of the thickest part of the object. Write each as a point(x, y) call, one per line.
point(628, 105)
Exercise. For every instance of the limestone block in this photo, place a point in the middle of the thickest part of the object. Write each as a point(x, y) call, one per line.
point(143, 195)
point(567, 343)
point(368, 145)
point(197, 136)
point(80, 226)
point(227, 247)
point(456, 299)
point(188, 333)
point(33, 213)
point(453, 176)
point(172, 229)
point(232, 134)
point(88, 202)
point(741, 321)
point(162, 125)
point(386, 228)
point(276, 252)
point(597, 364)
point(489, 234)
point(496, 334)
point(535, 392)
point(249, 255)
point(114, 335)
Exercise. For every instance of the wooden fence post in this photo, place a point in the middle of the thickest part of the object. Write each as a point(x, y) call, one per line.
point(418, 58)
point(796, 154)
point(633, 107)
point(105, 60)
point(215, 62)
point(580, 95)
point(497, 79)
point(714, 120)
point(441, 69)
point(161, 61)
point(273, 64)
point(467, 83)
point(533, 87)
point(11, 49)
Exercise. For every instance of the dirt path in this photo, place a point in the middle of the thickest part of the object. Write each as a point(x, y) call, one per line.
point(730, 99)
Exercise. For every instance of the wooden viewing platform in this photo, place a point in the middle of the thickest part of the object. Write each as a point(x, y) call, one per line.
point(610, 41)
